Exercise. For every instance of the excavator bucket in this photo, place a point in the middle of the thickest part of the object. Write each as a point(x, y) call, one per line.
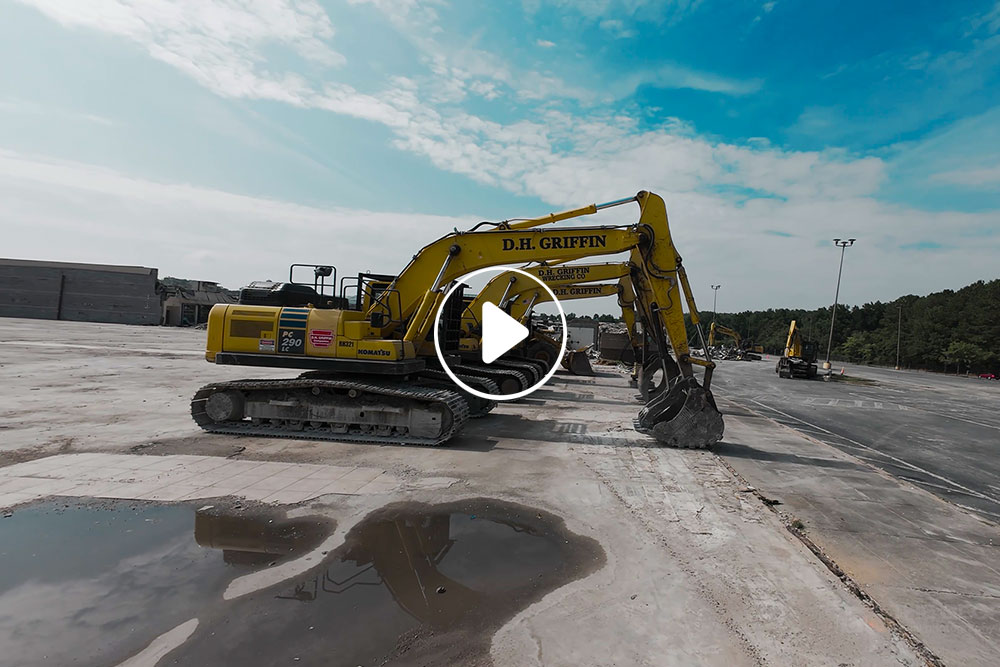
point(577, 362)
point(683, 416)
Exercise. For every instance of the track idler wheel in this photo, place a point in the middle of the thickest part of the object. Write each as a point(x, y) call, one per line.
point(223, 406)
point(683, 416)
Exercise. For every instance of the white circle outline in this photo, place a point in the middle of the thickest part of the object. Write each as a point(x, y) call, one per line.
point(481, 394)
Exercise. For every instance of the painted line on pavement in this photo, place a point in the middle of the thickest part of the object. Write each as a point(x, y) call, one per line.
point(967, 490)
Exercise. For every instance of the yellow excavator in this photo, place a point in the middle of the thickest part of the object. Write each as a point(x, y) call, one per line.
point(366, 365)
point(518, 296)
point(744, 349)
point(504, 287)
point(799, 359)
point(575, 360)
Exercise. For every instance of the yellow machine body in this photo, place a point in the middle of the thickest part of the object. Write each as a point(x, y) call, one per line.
point(311, 332)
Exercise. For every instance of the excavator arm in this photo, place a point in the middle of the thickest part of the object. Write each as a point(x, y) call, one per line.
point(522, 304)
point(793, 345)
point(683, 412)
point(507, 286)
point(421, 286)
point(662, 283)
point(732, 333)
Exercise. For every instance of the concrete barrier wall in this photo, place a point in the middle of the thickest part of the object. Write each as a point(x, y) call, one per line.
point(49, 291)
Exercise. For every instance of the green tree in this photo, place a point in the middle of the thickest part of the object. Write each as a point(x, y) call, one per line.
point(962, 354)
point(867, 333)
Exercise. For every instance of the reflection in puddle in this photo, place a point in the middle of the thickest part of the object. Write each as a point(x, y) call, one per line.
point(93, 583)
point(256, 541)
point(410, 581)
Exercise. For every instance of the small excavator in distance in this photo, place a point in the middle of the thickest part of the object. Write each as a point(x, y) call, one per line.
point(365, 365)
point(799, 359)
point(744, 350)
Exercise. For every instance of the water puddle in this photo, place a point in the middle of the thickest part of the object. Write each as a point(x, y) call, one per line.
point(93, 583)
point(413, 584)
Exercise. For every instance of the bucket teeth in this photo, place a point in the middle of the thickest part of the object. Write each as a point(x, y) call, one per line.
point(684, 416)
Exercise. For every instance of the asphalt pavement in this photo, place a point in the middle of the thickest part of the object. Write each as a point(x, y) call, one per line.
point(939, 432)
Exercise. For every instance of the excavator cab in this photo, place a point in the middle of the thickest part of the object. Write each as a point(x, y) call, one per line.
point(319, 294)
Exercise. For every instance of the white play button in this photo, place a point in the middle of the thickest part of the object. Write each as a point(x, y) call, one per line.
point(500, 333)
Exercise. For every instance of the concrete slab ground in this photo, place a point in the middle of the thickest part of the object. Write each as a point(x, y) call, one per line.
point(696, 570)
point(182, 477)
point(931, 564)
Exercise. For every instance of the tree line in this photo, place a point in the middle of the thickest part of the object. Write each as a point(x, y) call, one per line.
point(950, 331)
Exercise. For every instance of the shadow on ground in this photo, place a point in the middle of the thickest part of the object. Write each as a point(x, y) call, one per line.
point(550, 430)
point(737, 450)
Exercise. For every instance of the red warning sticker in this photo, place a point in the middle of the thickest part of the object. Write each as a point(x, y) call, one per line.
point(321, 337)
point(265, 344)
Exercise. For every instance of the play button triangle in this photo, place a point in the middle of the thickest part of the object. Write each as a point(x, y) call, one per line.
point(500, 333)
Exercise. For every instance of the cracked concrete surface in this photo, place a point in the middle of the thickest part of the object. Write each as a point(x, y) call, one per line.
point(697, 571)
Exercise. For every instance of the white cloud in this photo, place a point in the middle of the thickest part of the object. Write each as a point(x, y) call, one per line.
point(719, 193)
point(457, 69)
point(418, 22)
point(986, 178)
point(29, 108)
point(989, 19)
point(74, 212)
point(216, 42)
point(676, 76)
point(67, 211)
point(648, 10)
point(617, 28)
point(545, 44)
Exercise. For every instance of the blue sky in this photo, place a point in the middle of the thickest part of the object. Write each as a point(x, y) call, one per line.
point(223, 140)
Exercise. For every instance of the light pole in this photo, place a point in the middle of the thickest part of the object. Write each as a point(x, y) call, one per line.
point(843, 245)
point(899, 329)
point(715, 301)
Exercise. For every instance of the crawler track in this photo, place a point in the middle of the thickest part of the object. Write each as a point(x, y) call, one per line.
point(498, 375)
point(299, 394)
point(478, 407)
